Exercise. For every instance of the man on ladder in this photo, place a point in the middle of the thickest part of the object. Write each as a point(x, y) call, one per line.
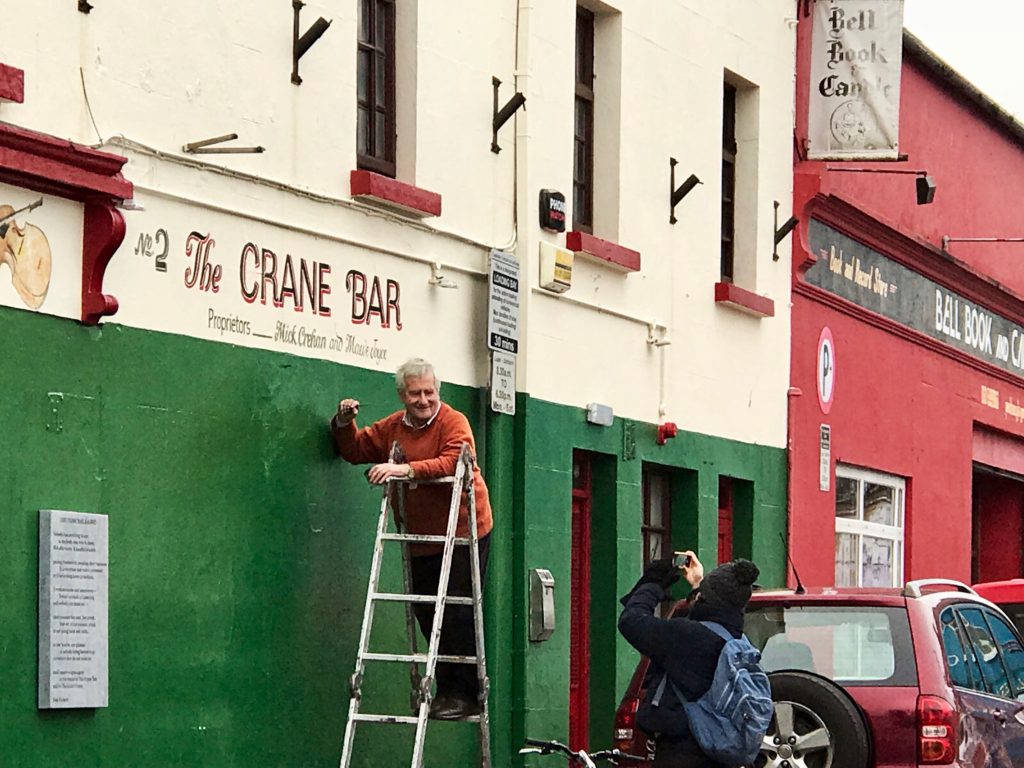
point(430, 434)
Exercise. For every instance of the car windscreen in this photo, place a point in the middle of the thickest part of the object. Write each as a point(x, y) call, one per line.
point(858, 645)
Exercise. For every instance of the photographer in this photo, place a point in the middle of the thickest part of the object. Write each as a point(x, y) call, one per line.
point(682, 647)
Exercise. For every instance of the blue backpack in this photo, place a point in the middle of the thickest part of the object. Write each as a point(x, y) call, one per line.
point(730, 720)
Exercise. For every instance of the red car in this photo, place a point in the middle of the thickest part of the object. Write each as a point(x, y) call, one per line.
point(931, 674)
point(1008, 595)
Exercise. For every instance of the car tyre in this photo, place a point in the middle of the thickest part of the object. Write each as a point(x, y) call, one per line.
point(816, 724)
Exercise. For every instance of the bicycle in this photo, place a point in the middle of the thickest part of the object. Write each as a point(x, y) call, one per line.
point(613, 756)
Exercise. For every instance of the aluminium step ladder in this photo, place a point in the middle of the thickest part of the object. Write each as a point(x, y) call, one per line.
point(422, 682)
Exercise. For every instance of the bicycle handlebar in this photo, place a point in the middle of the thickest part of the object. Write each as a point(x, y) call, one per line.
point(614, 756)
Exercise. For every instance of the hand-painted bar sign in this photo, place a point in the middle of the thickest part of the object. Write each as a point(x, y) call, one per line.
point(859, 274)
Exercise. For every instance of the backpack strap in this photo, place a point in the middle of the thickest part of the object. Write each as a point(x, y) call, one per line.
point(719, 630)
point(656, 699)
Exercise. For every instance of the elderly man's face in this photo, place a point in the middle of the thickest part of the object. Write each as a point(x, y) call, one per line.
point(420, 398)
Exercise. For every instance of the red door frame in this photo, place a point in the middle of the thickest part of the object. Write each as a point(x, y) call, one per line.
point(579, 621)
point(725, 517)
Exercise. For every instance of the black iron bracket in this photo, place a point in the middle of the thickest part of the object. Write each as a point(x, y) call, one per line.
point(84, 6)
point(302, 43)
point(781, 232)
point(501, 116)
point(203, 147)
point(675, 194)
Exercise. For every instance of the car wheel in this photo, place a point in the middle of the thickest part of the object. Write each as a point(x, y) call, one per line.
point(816, 725)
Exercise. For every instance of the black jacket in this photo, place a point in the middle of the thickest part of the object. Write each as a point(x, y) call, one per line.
point(683, 647)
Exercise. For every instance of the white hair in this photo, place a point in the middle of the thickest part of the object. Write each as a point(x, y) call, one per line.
point(414, 369)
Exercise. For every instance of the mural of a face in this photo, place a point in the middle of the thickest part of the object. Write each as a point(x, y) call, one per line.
point(26, 251)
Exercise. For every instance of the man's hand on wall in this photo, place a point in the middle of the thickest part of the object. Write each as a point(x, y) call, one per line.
point(348, 409)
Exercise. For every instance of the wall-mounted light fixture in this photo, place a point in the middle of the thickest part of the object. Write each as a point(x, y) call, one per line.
point(781, 232)
point(203, 147)
point(946, 240)
point(302, 43)
point(501, 116)
point(678, 193)
point(925, 184)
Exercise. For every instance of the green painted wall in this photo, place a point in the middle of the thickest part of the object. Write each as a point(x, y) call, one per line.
point(546, 435)
point(239, 548)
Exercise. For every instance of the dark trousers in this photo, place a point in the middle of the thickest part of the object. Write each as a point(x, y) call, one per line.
point(683, 753)
point(458, 637)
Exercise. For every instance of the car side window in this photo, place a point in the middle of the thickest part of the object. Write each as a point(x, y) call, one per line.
point(957, 660)
point(986, 650)
point(1011, 651)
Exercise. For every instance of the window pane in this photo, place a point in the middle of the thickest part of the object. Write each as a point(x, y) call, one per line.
point(986, 651)
point(879, 562)
point(858, 646)
point(363, 133)
point(364, 76)
point(381, 15)
point(380, 80)
point(364, 20)
point(380, 144)
point(1013, 654)
point(878, 504)
point(847, 560)
point(956, 658)
point(846, 497)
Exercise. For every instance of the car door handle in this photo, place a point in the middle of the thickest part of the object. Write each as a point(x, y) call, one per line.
point(999, 716)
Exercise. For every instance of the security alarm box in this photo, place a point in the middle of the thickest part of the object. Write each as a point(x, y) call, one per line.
point(555, 268)
point(542, 605)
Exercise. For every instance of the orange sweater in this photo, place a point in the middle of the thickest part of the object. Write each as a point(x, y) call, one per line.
point(432, 451)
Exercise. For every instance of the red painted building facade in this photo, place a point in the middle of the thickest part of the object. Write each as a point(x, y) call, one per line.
point(906, 421)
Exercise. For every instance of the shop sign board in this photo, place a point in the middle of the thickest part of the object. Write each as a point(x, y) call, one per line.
point(187, 269)
point(503, 303)
point(857, 273)
point(854, 92)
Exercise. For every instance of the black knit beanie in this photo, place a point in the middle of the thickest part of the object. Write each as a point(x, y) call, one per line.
point(729, 585)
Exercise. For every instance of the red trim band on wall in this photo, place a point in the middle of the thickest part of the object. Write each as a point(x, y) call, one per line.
point(744, 300)
point(395, 194)
point(12, 84)
point(610, 253)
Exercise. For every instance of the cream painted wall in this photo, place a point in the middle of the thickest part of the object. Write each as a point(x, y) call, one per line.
point(725, 373)
point(158, 75)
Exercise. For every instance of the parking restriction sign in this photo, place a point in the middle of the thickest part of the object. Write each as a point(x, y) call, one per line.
point(503, 303)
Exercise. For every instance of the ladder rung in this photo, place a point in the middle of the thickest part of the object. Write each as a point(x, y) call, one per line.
point(433, 481)
point(362, 718)
point(418, 657)
point(398, 598)
point(419, 538)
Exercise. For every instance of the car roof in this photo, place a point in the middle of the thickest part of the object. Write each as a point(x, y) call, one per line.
point(1009, 591)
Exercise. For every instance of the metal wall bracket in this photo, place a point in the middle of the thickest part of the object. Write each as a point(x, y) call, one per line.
point(302, 43)
point(84, 6)
point(781, 232)
point(203, 147)
point(678, 193)
point(501, 116)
